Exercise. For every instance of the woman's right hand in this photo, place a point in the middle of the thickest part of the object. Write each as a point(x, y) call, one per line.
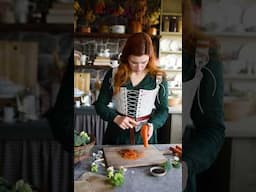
point(125, 122)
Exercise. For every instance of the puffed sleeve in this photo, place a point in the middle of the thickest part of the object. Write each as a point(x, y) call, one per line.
point(160, 114)
point(105, 96)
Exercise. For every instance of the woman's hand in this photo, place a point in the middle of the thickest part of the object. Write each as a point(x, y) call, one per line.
point(125, 122)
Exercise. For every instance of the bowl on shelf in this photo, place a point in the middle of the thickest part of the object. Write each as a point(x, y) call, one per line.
point(117, 29)
point(172, 101)
point(236, 108)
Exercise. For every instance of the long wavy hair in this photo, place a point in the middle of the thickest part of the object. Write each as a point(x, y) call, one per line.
point(137, 44)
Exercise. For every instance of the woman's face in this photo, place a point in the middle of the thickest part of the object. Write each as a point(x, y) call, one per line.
point(138, 63)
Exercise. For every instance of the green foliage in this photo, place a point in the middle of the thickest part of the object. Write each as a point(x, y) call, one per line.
point(167, 165)
point(94, 168)
point(81, 138)
point(116, 178)
point(20, 186)
point(176, 164)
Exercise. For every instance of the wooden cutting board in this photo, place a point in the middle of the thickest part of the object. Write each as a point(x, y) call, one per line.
point(19, 62)
point(151, 156)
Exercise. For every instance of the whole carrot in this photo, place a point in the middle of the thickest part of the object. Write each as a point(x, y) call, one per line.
point(144, 134)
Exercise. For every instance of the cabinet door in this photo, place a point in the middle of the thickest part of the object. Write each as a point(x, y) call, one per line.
point(243, 165)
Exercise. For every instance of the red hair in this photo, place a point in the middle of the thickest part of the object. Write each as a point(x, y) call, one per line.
point(137, 44)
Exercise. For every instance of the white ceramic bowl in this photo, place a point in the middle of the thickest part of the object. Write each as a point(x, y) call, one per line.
point(117, 28)
point(157, 171)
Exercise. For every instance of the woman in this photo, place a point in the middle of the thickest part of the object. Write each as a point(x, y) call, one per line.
point(202, 101)
point(139, 93)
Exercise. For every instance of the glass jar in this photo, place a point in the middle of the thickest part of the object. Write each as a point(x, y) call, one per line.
point(173, 23)
point(166, 24)
point(179, 23)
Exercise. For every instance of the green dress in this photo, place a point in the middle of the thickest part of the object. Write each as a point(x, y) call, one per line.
point(114, 134)
point(202, 143)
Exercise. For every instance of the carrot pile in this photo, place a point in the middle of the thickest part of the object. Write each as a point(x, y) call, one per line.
point(130, 154)
point(144, 134)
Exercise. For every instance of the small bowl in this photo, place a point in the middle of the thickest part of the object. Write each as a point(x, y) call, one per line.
point(157, 171)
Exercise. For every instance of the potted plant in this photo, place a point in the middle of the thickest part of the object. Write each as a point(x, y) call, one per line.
point(83, 143)
point(152, 19)
point(136, 11)
point(85, 16)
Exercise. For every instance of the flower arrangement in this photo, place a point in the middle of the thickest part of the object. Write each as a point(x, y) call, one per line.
point(83, 143)
point(81, 138)
point(86, 15)
point(19, 186)
point(115, 12)
point(152, 18)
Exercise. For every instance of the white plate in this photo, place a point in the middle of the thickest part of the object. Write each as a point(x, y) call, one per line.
point(179, 63)
point(174, 45)
point(249, 17)
point(247, 52)
point(164, 44)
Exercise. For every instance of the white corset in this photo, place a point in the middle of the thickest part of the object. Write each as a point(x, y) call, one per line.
point(135, 103)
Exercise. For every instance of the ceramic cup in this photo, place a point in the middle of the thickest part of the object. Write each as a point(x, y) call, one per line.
point(114, 63)
point(77, 103)
point(8, 114)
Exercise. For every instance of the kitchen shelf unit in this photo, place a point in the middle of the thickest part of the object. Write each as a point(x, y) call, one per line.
point(170, 8)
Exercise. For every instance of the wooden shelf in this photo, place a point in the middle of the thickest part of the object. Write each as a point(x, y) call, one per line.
point(37, 27)
point(171, 34)
point(108, 35)
point(232, 34)
point(91, 67)
point(172, 13)
point(101, 35)
point(240, 77)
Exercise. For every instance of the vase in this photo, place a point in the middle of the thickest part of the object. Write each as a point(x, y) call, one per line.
point(152, 31)
point(85, 29)
point(135, 27)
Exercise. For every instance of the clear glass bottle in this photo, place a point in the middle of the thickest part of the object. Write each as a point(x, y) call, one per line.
point(166, 24)
point(173, 22)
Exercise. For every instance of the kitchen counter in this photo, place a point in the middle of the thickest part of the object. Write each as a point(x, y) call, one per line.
point(139, 179)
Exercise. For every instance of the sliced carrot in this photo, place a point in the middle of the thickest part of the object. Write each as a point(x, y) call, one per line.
point(144, 134)
point(130, 154)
